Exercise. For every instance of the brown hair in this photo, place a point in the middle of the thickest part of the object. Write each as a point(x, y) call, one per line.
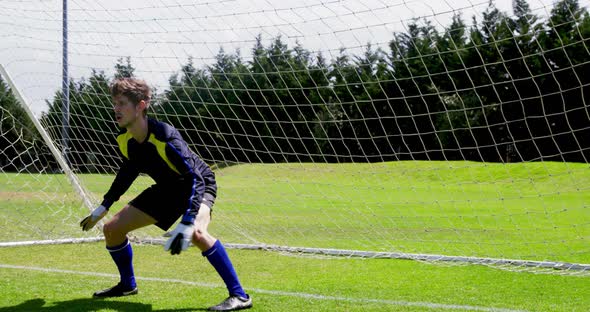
point(134, 89)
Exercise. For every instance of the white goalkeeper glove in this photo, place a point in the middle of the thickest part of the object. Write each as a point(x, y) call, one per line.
point(90, 221)
point(180, 238)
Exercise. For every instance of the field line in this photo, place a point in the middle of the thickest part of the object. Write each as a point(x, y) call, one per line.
point(423, 304)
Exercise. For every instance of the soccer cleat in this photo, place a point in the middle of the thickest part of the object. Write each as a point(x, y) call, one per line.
point(115, 291)
point(233, 303)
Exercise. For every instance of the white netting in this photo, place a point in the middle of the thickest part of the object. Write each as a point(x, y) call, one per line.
point(395, 127)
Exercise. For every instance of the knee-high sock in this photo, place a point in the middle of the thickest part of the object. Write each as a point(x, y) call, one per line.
point(123, 257)
point(218, 257)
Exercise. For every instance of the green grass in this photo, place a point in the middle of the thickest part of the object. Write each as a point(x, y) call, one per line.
point(494, 210)
point(532, 211)
point(276, 282)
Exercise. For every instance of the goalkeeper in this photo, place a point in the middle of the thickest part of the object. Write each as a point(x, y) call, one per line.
point(185, 187)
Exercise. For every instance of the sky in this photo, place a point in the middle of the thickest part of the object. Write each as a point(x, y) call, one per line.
point(160, 36)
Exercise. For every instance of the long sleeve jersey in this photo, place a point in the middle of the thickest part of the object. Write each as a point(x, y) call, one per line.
point(166, 158)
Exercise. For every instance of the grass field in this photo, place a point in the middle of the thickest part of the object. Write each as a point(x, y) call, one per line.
point(532, 211)
point(62, 278)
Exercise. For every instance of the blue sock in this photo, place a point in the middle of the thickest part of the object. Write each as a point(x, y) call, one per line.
point(123, 257)
point(218, 257)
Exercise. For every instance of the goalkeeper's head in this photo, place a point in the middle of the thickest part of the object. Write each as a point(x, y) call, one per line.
point(136, 90)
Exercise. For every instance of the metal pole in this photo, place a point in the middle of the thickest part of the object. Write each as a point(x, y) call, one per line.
point(25, 104)
point(65, 85)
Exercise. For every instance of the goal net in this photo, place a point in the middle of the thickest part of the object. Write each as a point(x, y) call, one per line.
point(409, 129)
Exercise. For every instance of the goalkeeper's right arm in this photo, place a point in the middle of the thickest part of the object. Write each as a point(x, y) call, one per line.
point(90, 221)
point(125, 176)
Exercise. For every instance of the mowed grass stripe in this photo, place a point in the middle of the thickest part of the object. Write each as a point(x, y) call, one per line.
point(343, 284)
point(528, 211)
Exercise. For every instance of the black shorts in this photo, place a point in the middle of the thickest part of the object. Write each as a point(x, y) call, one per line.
point(168, 203)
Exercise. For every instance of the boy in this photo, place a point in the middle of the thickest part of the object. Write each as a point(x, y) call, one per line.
point(185, 186)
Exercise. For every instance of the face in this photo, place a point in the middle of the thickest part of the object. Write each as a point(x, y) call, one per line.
point(126, 113)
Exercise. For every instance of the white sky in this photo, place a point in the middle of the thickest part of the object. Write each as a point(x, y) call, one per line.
point(160, 35)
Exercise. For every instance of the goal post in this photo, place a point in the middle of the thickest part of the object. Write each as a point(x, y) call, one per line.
point(34, 195)
point(63, 165)
point(347, 128)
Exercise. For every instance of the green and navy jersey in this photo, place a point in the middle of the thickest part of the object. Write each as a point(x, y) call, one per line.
point(166, 158)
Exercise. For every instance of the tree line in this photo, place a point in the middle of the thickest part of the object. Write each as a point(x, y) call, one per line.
point(500, 89)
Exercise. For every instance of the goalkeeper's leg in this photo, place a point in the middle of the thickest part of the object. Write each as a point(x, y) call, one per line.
point(119, 247)
point(214, 251)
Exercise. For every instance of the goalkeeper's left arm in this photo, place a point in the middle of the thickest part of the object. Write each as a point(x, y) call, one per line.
point(193, 169)
point(181, 236)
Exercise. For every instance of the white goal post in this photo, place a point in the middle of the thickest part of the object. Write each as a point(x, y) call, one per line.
point(359, 128)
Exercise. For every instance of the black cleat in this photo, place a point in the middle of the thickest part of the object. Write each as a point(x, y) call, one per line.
point(233, 303)
point(115, 291)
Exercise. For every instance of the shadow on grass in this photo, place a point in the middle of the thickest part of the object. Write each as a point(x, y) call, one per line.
point(87, 305)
